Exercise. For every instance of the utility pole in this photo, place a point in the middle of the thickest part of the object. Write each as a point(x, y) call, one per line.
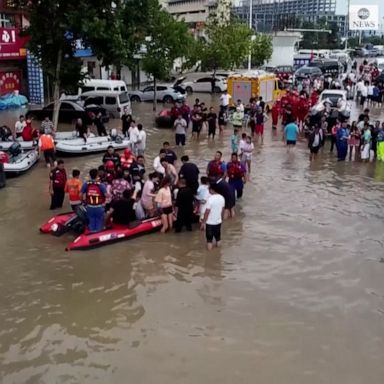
point(250, 26)
point(347, 24)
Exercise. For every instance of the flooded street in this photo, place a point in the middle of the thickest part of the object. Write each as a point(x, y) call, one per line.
point(295, 295)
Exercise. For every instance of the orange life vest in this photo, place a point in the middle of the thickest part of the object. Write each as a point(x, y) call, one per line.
point(46, 142)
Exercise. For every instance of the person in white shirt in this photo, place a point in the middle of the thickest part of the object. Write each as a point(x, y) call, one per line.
point(224, 100)
point(202, 195)
point(157, 162)
point(213, 217)
point(370, 93)
point(133, 133)
point(141, 142)
point(19, 126)
point(240, 105)
point(180, 126)
point(364, 94)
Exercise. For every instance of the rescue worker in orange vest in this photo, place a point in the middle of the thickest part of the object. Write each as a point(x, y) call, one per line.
point(47, 146)
point(127, 159)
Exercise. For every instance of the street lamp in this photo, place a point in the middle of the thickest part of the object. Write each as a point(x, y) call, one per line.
point(253, 36)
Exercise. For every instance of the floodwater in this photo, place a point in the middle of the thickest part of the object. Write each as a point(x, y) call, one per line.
point(295, 295)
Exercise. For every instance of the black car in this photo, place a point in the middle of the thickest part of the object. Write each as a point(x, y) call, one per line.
point(329, 67)
point(310, 72)
point(69, 112)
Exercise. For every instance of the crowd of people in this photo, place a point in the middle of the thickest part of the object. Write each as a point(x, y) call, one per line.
point(119, 191)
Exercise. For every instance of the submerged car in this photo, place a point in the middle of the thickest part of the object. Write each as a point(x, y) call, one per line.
point(69, 111)
point(164, 93)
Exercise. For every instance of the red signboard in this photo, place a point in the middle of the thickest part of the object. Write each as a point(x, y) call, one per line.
point(12, 45)
point(9, 81)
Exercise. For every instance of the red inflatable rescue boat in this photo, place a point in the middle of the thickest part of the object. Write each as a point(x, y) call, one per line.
point(116, 233)
point(65, 222)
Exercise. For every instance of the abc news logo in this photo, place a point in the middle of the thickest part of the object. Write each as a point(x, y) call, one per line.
point(363, 21)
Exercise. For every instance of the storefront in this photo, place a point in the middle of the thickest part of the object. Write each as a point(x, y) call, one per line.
point(13, 67)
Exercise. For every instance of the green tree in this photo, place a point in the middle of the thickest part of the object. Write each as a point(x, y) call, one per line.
point(113, 30)
point(228, 46)
point(321, 40)
point(261, 49)
point(167, 39)
point(53, 40)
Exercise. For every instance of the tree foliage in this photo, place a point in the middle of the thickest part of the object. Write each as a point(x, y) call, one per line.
point(228, 46)
point(261, 49)
point(167, 39)
point(321, 40)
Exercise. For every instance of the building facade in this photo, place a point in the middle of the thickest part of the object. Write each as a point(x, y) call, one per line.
point(13, 54)
point(196, 12)
point(275, 15)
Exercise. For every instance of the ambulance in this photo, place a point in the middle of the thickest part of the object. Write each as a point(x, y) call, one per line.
point(255, 84)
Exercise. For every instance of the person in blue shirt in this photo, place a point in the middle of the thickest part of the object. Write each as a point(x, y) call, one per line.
point(291, 131)
point(342, 135)
point(94, 192)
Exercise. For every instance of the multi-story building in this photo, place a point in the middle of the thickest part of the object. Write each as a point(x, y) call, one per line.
point(196, 12)
point(13, 55)
point(274, 15)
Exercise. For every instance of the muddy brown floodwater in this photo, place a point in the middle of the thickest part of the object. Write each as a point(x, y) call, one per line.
point(295, 295)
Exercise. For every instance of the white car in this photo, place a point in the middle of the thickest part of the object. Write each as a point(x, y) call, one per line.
point(336, 99)
point(164, 93)
point(204, 84)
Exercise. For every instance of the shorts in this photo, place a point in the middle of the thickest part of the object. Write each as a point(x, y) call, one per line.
point(291, 142)
point(180, 139)
point(49, 155)
point(196, 128)
point(259, 129)
point(167, 210)
point(148, 206)
point(213, 232)
point(315, 150)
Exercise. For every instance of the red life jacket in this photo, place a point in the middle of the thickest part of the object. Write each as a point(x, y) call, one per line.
point(215, 168)
point(235, 170)
point(94, 194)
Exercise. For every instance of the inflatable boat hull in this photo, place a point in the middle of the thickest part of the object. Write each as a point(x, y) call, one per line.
point(22, 163)
point(93, 145)
point(25, 145)
point(89, 240)
point(114, 234)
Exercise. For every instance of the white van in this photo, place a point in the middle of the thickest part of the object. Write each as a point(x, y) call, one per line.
point(102, 85)
point(114, 102)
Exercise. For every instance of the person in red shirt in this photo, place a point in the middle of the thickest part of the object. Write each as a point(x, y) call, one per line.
point(295, 105)
point(28, 133)
point(314, 97)
point(302, 110)
point(275, 114)
point(58, 180)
